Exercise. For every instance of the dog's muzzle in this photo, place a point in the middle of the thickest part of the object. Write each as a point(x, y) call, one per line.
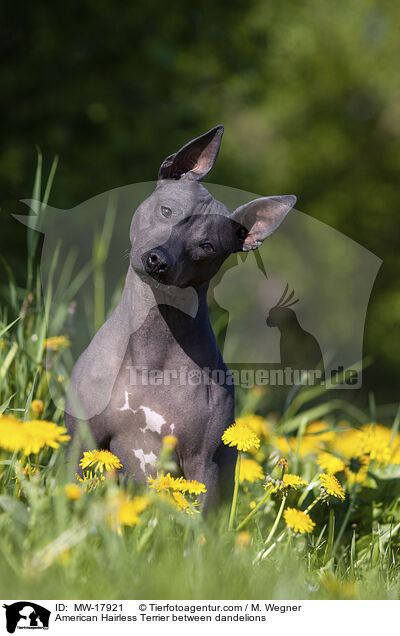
point(156, 263)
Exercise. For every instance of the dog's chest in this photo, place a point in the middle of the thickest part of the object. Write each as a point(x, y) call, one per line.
point(166, 387)
point(176, 407)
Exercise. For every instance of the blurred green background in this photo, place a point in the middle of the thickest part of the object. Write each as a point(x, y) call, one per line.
point(309, 93)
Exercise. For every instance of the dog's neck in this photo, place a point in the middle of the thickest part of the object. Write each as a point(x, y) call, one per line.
point(181, 308)
point(162, 323)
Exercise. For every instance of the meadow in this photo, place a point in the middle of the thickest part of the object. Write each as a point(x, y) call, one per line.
point(315, 511)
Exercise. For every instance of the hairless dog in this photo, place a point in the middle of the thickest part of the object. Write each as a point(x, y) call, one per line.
point(180, 236)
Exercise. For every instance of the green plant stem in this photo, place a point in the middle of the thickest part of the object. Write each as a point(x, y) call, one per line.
point(313, 482)
point(262, 555)
point(254, 511)
point(331, 534)
point(186, 536)
point(288, 543)
point(278, 518)
point(235, 492)
point(345, 520)
point(312, 504)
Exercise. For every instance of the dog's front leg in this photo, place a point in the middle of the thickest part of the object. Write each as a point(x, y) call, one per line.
point(216, 472)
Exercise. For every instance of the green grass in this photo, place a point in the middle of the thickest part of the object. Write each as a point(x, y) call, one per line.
point(52, 547)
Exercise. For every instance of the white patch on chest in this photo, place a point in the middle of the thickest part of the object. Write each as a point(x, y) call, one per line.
point(145, 458)
point(125, 406)
point(154, 421)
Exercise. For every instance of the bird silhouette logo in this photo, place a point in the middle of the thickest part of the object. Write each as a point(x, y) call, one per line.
point(299, 349)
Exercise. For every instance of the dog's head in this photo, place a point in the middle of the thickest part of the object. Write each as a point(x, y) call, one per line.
point(181, 235)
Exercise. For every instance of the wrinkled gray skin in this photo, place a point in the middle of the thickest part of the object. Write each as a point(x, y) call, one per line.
point(180, 237)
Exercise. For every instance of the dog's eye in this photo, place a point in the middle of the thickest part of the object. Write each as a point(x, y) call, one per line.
point(207, 247)
point(167, 212)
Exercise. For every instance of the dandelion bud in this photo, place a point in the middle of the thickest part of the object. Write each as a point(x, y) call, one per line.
point(37, 407)
point(169, 442)
point(283, 464)
point(243, 539)
point(73, 492)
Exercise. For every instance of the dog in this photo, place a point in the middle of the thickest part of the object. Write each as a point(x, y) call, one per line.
point(180, 236)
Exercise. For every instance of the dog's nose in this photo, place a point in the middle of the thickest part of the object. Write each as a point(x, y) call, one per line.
point(156, 262)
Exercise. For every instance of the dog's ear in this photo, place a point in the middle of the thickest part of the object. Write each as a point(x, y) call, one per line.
point(260, 218)
point(195, 159)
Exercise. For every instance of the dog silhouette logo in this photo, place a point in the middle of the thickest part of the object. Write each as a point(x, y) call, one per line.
point(26, 615)
point(331, 274)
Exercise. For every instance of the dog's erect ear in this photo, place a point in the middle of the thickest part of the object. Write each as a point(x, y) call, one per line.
point(260, 218)
point(195, 159)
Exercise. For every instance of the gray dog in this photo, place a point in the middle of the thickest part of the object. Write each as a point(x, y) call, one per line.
point(150, 369)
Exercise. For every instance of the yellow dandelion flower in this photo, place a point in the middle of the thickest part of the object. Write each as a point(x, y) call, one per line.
point(12, 435)
point(73, 492)
point(56, 343)
point(241, 436)
point(100, 460)
point(329, 463)
point(128, 513)
point(37, 406)
point(163, 482)
point(90, 480)
point(192, 486)
point(41, 433)
point(250, 471)
point(169, 442)
point(252, 504)
point(357, 470)
point(347, 443)
point(30, 437)
point(395, 459)
point(181, 503)
point(289, 481)
point(243, 539)
point(178, 501)
point(177, 484)
point(374, 440)
point(359, 477)
point(256, 423)
point(294, 481)
point(298, 520)
point(332, 486)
